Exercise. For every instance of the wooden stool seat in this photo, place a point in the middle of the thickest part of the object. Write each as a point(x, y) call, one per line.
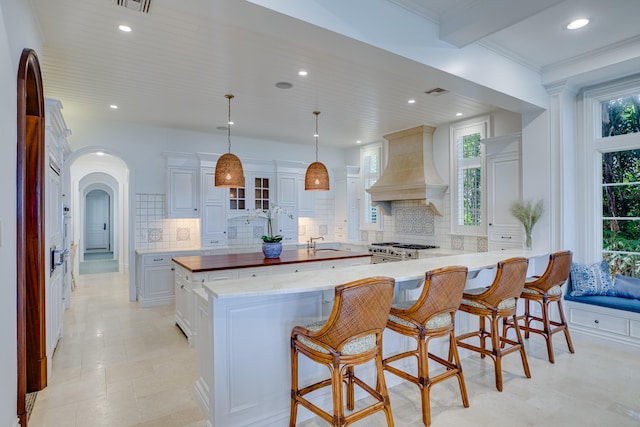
point(432, 315)
point(498, 301)
point(351, 336)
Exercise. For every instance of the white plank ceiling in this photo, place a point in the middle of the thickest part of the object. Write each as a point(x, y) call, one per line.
point(179, 61)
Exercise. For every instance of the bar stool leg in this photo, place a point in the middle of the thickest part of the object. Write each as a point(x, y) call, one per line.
point(523, 354)
point(294, 388)
point(454, 355)
point(566, 328)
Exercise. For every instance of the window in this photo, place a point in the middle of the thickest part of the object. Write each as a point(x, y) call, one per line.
point(621, 188)
point(609, 169)
point(468, 176)
point(370, 170)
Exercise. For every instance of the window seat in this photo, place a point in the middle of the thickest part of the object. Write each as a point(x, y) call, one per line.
point(607, 317)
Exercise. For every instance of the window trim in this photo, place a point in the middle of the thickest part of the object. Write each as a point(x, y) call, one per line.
point(484, 122)
point(589, 195)
point(379, 224)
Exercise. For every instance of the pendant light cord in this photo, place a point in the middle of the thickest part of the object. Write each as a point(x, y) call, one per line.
point(229, 97)
point(317, 113)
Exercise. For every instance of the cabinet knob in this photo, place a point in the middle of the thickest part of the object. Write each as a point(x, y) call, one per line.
point(173, 269)
point(596, 321)
point(253, 275)
point(296, 271)
point(490, 224)
point(181, 286)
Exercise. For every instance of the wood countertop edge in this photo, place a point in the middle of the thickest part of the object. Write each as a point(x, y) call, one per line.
point(204, 263)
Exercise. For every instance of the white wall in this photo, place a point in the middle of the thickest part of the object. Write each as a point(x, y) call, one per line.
point(17, 31)
point(142, 147)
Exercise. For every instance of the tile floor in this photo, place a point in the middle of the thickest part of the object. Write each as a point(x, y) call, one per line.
point(120, 365)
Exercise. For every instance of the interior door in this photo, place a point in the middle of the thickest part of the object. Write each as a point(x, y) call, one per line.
point(98, 221)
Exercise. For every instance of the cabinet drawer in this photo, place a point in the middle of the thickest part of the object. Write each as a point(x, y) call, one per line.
point(157, 259)
point(603, 322)
point(213, 276)
point(634, 329)
point(500, 235)
point(296, 268)
point(253, 272)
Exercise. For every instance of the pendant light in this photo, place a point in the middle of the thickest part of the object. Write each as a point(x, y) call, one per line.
point(317, 177)
point(229, 171)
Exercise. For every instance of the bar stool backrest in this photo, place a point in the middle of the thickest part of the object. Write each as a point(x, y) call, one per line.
point(442, 293)
point(509, 282)
point(360, 308)
point(557, 271)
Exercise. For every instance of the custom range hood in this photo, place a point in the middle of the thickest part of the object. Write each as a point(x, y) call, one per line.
point(410, 173)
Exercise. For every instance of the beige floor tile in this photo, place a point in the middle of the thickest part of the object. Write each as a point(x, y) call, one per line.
point(119, 365)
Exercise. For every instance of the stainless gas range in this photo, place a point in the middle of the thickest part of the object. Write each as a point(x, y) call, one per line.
point(394, 251)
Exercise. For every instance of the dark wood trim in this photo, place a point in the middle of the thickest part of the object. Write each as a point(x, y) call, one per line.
point(30, 251)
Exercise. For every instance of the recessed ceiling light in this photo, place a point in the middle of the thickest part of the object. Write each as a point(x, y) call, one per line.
point(578, 23)
point(411, 101)
point(99, 153)
point(230, 123)
point(458, 114)
point(284, 85)
point(113, 106)
point(302, 73)
point(124, 28)
point(358, 142)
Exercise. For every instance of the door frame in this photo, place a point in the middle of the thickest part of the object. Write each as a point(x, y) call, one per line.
point(109, 223)
point(30, 233)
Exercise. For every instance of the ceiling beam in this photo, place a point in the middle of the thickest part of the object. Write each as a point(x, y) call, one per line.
point(473, 20)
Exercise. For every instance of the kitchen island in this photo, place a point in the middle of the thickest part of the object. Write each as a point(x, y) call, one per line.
point(192, 271)
point(245, 325)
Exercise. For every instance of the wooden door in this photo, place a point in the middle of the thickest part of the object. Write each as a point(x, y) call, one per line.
point(30, 232)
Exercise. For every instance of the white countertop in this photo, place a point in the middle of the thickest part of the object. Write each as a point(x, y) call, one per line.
point(327, 279)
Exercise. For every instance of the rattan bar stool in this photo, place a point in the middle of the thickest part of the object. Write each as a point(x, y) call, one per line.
point(546, 289)
point(351, 336)
point(498, 301)
point(432, 315)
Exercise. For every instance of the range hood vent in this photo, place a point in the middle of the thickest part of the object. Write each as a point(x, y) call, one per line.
point(137, 5)
point(410, 173)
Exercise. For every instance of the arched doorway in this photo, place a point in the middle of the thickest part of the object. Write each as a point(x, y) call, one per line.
point(100, 168)
point(30, 236)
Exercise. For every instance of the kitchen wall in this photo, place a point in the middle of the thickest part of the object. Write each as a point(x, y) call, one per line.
point(17, 31)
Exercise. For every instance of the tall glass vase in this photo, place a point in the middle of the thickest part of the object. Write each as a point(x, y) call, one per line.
point(527, 242)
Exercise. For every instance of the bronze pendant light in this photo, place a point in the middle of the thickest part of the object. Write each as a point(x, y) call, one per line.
point(317, 176)
point(229, 173)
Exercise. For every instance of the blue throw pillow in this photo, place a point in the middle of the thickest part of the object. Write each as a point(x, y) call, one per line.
point(589, 280)
point(626, 287)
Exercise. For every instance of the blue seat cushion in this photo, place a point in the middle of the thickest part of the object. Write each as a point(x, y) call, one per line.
point(617, 303)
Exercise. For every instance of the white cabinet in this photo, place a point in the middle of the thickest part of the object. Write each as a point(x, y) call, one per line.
point(256, 194)
point(155, 278)
point(504, 186)
point(346, 203)
point(288, 200)
point(213, 222)
point(182, 185)
point(185, 311)
point(306, 200)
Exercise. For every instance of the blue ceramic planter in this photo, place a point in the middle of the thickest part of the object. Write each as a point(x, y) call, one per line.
point(271, 250)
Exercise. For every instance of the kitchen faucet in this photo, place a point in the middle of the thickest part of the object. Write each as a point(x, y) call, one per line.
point(311, 244)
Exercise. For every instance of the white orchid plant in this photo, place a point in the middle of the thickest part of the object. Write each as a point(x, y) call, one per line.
point(269, 215)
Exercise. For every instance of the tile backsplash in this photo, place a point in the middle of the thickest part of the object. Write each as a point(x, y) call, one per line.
point(411, 221)
point(155, 231)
